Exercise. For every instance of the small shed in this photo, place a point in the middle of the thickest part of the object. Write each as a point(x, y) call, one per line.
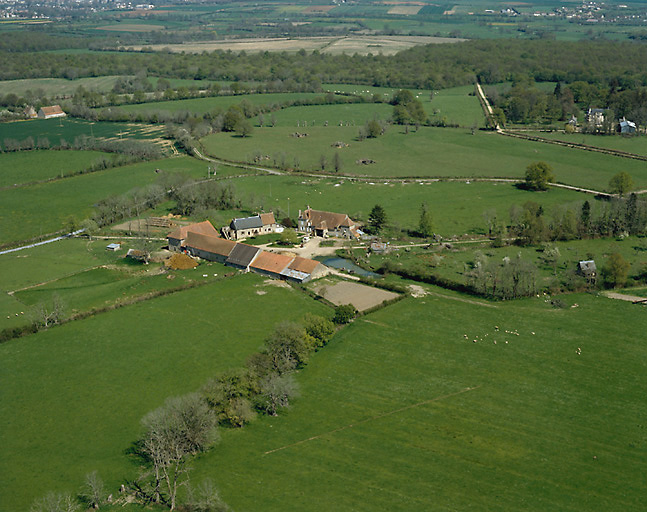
point(587, 269)
point(113, 247)
point(627, 127)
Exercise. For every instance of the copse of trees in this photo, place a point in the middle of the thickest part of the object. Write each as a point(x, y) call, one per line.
point(538, 176)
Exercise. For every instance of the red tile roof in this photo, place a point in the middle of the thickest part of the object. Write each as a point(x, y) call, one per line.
point(326, 220)
point(267, 219)
point(201, 228)
point(271, 262)
point(303, 265)
point(208, 243)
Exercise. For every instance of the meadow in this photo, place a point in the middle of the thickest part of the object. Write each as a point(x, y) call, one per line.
point(29, 166)
point(404, 411)
point(68, 129)
point(56, 87)
point(73, 396)
point(637, 145)
point(457, 207)
point(429, 152)
point(204, 105)
point(44, 208)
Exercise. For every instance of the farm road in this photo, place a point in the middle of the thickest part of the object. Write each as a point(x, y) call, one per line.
point(629, 298)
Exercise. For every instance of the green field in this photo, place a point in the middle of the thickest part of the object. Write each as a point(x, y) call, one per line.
point(457, 207)
point(68, 129)
point(637, 145)
point(58, 86)
point(29, 166)
point(73, 396)
point(204, 105)
point(46, 207)
point(429, 152)
point(386, 421)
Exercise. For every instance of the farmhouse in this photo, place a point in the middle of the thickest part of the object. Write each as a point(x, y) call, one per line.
point(261, 224)
point(30, 113)
point(208, 247)
point(242, 256)
point(595, 116)
point(51, 112)
point(320, 223)
point(176, 239)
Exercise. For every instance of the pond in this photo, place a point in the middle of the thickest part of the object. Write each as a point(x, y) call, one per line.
point(344, 264)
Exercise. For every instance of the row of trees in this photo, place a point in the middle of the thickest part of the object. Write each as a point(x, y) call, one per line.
point(492, 61)
point(186, 426)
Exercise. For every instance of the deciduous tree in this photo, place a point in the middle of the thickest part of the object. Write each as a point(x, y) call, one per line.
point(538, 176)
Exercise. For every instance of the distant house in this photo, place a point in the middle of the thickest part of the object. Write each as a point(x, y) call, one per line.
point(113, 247)
point(245, 227)
point(176, 239)
point(587, 269)
point(320, 223)
point(270, 264)
point(51, 112)
point(626, 127)
point(208, 247)
point(573, 121)
point(242, 256)
point(302, 270)
point(30, 113)
point(595, 116)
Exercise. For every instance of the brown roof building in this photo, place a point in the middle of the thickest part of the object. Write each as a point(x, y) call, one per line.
point(320, 223)
point(270, 263)
point(208, 247)
point(176, 239)
point(51, 112)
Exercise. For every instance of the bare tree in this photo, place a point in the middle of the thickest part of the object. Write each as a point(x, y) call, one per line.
point(55, 502)
point(182, 427)
point(47, 314)
point(205, 498)
point(276, 392)
point(93, 492)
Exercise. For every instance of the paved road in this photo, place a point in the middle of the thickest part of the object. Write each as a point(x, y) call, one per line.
point(43, 242)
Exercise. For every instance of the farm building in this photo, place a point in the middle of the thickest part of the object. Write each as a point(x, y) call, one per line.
point(113, 247)
point(587, 269)
point(595, 116)
point(261, 224)
point(30, 113)
point(626, 127)
point(176, 239)
point(270, 264)
point(302, 270)
point(242, 256)
point(320, 223)
point(51, 112)
point(208, 247)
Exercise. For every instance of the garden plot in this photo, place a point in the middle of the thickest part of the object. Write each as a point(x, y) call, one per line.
point(359, 295)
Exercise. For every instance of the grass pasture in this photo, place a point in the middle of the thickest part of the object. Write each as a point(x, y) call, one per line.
point(29, 166)
point(204, 105)
point(73, 396)
point(65, 128)
point(456, 207)
point(429, 152)
point(44, 208)
point(637, 145)
point(402, 412)
point(58, 86)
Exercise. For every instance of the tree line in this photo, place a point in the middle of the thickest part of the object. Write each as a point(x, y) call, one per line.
point(423, 67)
point(187, 425)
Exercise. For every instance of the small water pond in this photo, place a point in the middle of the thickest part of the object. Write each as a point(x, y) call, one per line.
point(349, 266)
